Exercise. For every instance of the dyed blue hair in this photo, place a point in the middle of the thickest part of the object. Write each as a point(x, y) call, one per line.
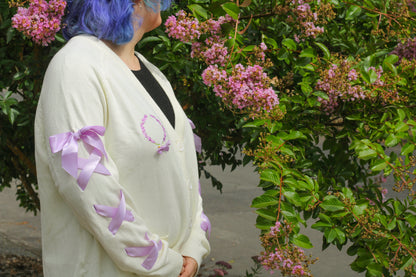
point(106, 19)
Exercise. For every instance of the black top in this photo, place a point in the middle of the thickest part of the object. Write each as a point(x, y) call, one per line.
point(153, 87)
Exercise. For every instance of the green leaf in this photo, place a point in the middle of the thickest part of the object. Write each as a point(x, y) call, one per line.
point(373, 76)
point(308, 53)
point(255, 123)
point(375, 270)
point(352, 12)
point(401, 127)
point(197, 9)
point(401, 114)
point(332, 204)
point(330, 235)
point(302, 241)
point(327, 54)
point(391, 59)
point(411, 219)
point(379, 165)
point(270, 175)
point(264, 201)
point(407, 262)
point(231, 9)
point(367, 154)
point(289, 43)
point(391, 140)
point(321, 94)
point(340, 235)
point(294, 135)
point(267, 214)
point(264, 224)
point(321, 225)
point(9, 35)
point(407, 149)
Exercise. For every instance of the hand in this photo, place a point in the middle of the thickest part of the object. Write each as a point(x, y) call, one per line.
point(189, 268)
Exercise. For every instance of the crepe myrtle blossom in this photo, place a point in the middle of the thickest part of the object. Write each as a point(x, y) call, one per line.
point(287, 258)
point(186, 28)
point(244, 88)
point(40, 21)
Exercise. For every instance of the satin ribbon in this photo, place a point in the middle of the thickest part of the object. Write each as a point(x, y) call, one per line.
point(68, 144)
point(197, 139)
point(151, 251)
point(206, 224)
point(117, 214)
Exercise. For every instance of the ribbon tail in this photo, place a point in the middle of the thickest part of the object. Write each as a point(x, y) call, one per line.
point(206, 225)
point(150, 261)
point(105, 210)
point(198, 144)
point(101, 169)
point(138, 251)
point(118, 216)
point(87, 170)
point(70, 157)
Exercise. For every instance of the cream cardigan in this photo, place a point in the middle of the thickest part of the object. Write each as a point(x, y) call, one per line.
point(126, 202)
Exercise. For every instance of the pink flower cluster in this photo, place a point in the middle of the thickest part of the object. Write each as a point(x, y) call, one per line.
point(246, 88)
point(213, 51)
point(182, 27)
point(306, 18)
point(40, 21)
point(338, 83)
point(188, 29)
point(288, 260)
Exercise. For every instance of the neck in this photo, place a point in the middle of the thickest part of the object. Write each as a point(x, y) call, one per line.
point(126, 51)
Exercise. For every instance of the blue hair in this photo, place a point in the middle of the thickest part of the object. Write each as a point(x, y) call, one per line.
point(106, 19)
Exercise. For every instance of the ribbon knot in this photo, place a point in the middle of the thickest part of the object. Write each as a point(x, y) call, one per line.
point(117, 214)
point(68, 144)
point(151, 251)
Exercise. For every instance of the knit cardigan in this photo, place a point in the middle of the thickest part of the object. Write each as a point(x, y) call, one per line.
point(118, 184)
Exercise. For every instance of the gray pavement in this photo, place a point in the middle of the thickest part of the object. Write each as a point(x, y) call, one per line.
point(234, 238)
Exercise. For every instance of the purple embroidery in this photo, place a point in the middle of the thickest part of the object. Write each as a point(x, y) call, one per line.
point(151, 251)
point(197, 139)
point(118, 214)
point(163, 146)
point(68, 144)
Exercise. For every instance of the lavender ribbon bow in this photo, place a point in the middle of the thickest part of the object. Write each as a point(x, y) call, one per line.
point(197, 139)
point(68, 144)
point(205, 223)
point(151, 251)
point(118, 214)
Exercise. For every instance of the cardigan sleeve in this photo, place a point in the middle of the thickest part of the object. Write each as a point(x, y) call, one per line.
point(72, 99)
point(197, 246)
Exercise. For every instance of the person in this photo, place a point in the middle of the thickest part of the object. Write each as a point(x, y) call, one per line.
point(115, 153)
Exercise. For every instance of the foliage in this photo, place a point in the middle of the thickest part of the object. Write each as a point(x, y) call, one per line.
point(343, 118)
point(21, 72)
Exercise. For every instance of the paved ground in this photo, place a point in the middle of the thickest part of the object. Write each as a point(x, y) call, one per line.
point(234, 238)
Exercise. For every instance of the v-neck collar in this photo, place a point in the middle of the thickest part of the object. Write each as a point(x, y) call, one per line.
point(177, 131)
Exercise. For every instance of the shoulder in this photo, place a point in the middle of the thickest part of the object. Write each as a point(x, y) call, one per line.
point(81, 54)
